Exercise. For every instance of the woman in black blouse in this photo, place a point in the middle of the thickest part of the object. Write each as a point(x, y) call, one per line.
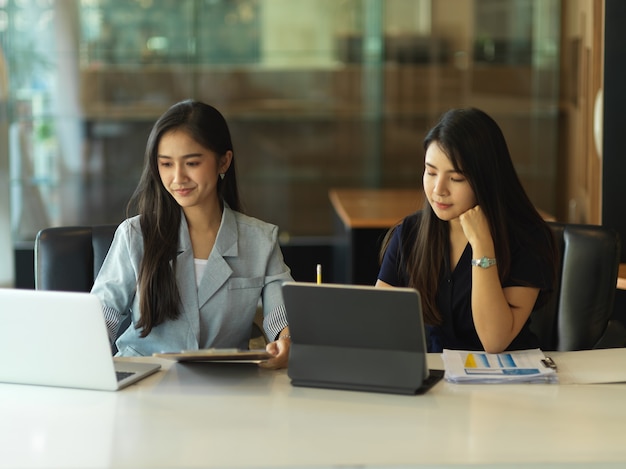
point(479, 253)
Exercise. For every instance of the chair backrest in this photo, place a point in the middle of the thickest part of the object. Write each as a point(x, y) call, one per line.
point(578, 315)
point(69, 258)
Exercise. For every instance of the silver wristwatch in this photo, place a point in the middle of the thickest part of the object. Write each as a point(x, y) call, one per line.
point(484, 262)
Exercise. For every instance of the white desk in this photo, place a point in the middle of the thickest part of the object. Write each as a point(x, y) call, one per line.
point(241, 416)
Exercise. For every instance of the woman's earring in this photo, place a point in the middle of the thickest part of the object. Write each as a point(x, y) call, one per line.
point(222, 175)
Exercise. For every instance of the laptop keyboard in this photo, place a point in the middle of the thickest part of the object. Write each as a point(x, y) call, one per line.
point(123, 374)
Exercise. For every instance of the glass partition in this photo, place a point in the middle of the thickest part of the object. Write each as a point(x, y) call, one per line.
point(319, 94)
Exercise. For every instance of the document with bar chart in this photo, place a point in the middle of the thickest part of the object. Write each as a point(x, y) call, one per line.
point(521, 366)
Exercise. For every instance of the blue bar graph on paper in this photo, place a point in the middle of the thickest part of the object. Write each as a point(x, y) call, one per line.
point(478, 363)
point(505, 360)
point(483, 360)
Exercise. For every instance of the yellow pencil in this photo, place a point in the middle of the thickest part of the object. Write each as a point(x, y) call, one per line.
point(319, 273)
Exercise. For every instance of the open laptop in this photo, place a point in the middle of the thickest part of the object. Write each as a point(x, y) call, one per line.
point(55, 338)
point(357, 338)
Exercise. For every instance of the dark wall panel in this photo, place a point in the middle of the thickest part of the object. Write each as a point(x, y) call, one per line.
point(614, 143)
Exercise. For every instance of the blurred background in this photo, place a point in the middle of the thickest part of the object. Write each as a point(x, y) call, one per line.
point(319, 94)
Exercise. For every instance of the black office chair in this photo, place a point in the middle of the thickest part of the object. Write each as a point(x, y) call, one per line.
point(68, 258)
point(578, 315)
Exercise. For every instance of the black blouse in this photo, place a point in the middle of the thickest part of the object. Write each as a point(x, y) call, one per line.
point(453, 298)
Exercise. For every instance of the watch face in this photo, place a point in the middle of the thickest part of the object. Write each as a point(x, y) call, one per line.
point(483, 262)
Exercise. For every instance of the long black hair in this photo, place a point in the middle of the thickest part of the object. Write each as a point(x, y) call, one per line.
point(159, 299)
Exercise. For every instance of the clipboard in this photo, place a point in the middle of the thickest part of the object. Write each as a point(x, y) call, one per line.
point(520, 366)
point(226, 355)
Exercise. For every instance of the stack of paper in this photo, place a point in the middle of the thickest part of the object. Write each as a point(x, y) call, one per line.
point(522, 366)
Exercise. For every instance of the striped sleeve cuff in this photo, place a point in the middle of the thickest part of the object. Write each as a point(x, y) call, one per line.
point(275, 321)
point(112, 320)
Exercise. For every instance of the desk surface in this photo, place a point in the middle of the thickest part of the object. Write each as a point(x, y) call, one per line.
point(212, 415)
point(374, 208)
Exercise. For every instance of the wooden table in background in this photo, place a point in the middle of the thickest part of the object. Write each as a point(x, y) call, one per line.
point(363, 217)
point(621, 277)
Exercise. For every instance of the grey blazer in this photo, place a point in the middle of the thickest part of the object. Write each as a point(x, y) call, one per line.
point(246, 265)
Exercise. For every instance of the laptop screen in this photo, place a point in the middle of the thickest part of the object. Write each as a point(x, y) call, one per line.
point(55, 338)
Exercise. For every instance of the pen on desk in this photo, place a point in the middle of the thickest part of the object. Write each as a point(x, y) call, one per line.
point(319, 273)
